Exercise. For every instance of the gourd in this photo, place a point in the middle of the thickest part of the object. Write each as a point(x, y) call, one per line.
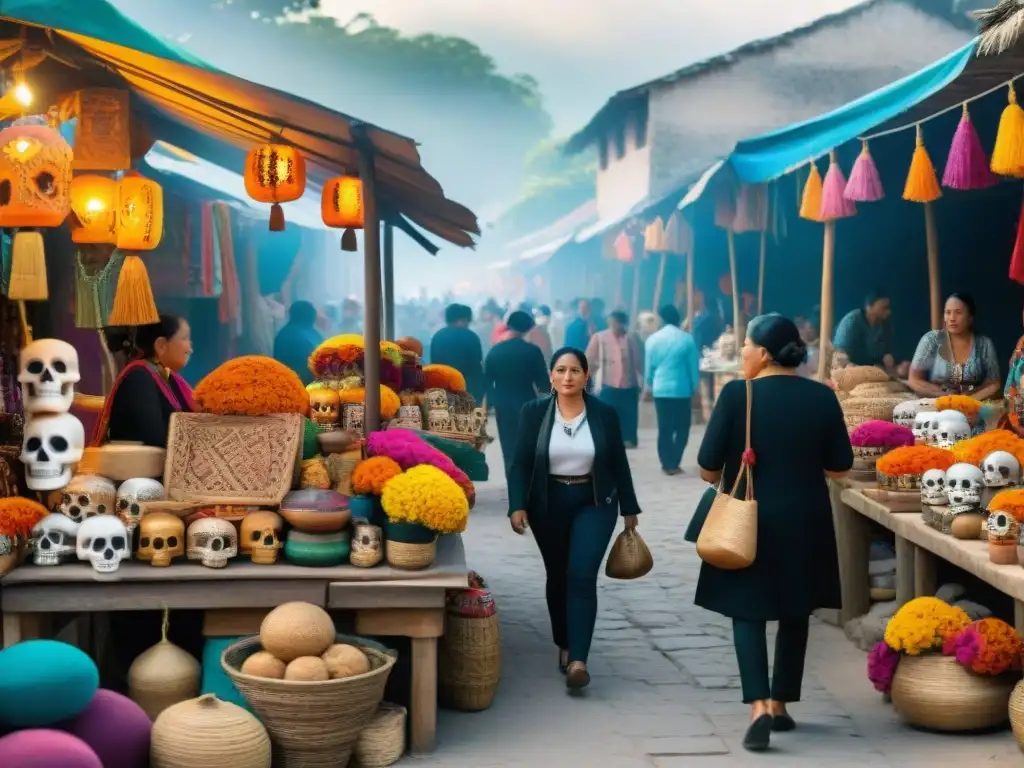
point(296, 629)
point(308, 669)
point(345, 661)
point(208, 733)
point(263, 664)
point(163, 675)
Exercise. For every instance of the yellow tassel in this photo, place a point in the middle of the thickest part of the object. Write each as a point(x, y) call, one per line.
point(28, 268)
point(133, 301)
point(348, 241)
point(276, 218)
point(1008, 153)
point(810, 203)
point(922, 184)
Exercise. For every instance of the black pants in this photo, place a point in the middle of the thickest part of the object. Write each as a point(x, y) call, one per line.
point(751, 641)
point(507, 418)
point(626, 403)
point(573, 535)
point(674, 416)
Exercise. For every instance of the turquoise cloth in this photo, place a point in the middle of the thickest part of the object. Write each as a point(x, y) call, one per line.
point(43, 682)
point(215, 679)
point(672, 363)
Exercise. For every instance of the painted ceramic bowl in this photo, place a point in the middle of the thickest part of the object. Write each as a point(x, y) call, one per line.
point(317, 550)
point(315, 510)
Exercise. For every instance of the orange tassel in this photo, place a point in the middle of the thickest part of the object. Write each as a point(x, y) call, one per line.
point(1008, 153)
point(276, 218)
point(922, 184)
point(28, 268)
point(133, 301)
point(810, 203)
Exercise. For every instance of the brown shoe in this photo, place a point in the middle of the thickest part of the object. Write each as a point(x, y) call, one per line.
point(577, 677)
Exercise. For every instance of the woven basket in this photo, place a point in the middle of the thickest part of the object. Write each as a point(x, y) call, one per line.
point(469, 662)
point(879, 389)
point(313, 724)
point(382, 742)
point(849, 378)
point(1017, 713)
point(935, 692)
point(410, 557)
point(858, 410)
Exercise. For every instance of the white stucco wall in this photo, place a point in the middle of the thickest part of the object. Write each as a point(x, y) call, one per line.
point(624, 181)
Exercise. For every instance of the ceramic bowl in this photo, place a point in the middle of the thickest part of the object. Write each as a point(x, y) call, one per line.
point(313, 510)
point(317, 550)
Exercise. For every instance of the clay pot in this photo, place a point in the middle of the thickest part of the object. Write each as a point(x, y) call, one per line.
point(1002, 552)
point(967, 526)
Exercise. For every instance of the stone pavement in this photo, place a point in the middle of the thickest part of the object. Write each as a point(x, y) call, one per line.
point(665, 688)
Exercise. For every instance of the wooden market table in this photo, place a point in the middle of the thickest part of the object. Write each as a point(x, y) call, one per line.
point(385, 601)
point(918, 549)
point(712, 380)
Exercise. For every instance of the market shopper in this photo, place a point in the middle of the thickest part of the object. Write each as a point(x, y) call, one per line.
point(672, 375)
point(798, 438)
point(457, 345)
point(615, 355)
point(296, 341)
point(955, 359)
point(569, 482)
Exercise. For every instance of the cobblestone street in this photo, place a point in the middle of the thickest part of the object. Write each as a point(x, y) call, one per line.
point(665, 688)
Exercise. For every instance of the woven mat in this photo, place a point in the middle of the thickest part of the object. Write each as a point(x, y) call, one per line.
point(249, 460)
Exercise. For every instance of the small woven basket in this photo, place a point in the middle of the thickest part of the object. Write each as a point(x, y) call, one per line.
point(411, 557)
point(469, 662)
point(313, 724)
point(935, 692)
point(382, 742)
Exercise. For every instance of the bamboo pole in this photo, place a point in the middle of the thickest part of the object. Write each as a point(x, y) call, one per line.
point(658, 282)
point(760, 273)
point(934, 286)
point(827, 310)
point(389, 281)
point(737, 317)
point(372, 283)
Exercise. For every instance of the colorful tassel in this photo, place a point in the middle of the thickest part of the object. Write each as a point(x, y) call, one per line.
point(967, 165)
point(678, 235)
point(810, 202)
point(751, 209)
point(922, 184)
point(133, 302)
point(1008, 153)
point(864, 184)
point(654, 236)
point(28, 268)
point(1017, 257)
point(623, 248)
point(834, 204)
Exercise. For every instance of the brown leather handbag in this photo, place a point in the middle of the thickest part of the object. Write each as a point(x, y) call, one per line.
point(728, 539)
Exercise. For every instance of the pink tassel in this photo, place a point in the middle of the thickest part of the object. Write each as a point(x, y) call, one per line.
point(865, 185)
point(834, 204)
point(967, 166)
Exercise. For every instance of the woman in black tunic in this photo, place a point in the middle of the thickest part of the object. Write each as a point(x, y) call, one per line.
point(799, 438)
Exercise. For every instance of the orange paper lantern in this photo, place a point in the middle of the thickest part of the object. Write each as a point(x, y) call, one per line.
point(35, 177)
point(140, 214)
point(275, 173)
point(341, 206)
point(94, 203)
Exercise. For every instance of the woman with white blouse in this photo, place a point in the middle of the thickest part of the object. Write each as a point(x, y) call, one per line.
point(569, 482)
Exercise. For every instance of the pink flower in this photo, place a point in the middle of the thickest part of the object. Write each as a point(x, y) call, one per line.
point(965, 646)
point(882, 661)
point(411, 450)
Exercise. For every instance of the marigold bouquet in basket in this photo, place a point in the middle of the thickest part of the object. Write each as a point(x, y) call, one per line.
point(426, 496)
point(986, 647)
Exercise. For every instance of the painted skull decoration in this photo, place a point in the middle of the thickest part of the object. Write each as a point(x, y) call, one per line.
point(103, 541)
point(52, 445)
point(261, 536)
point(324, 406)
point(933, 488)
point(54, 540)
point(48, 372)
point(950, 432)
point(212, 541)
point(133, 494)
point(87, 496)
point(161, 539)
point(963, 488)
point(1001, 469)
point(922, 422)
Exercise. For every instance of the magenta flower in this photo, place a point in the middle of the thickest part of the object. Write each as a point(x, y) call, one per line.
point(882, 661)
point(965, 646)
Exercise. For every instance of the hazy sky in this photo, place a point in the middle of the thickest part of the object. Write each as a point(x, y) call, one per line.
point(587, 49)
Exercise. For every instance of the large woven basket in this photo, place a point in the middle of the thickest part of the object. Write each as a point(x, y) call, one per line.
point(313, 724)
point(849, 378)
point(879, 389)
point(382, 742)
point(469, 662)
point(410, 557)
point(935, 692)
point(1017, 713)
point(857, 410)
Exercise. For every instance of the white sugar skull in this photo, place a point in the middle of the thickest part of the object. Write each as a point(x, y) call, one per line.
point(103, 541)
point(52, 445)
point(132, 494)
point(951, 432)
point(963, 487)
point(53, 540)
point(212, 541)
point(922, 421)
point(47, 373)
point(87, 496)
point(1001, 469)
point(905, 413)
point(933, 488)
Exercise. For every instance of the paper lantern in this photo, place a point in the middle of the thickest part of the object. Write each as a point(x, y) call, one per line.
point(275, 173)
point(140, 214)
point(341, 206)
point(102, 135)
point(94, 205)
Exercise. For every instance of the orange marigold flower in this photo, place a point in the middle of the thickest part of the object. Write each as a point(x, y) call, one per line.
point(252, 385)
point(975, 450)
point(370, 474)
point(1010, 501)
point(19, 515)
point(914, 460)
point(444, 377)
point(966, 404)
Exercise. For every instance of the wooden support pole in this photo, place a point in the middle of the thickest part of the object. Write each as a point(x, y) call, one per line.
point(827, 312)
point(760, 273)
point(658, 283)
point(636, 289)
point(389, 281)
point(737, 316)
point(934, 285)
point(689, 289)
point(371, 279)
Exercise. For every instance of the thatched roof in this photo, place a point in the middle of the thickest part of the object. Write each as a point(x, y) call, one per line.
point(1000, 27)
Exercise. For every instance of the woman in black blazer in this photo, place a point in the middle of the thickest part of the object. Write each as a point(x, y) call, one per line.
point(569, 481)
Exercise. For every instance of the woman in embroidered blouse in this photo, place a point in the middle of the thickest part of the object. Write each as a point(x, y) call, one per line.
point(955, 359)
point(1014, 391)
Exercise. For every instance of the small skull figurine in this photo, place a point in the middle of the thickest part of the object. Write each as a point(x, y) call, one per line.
point(52, 445)
point(904, 414)
point(324, 405)
point(963, 488)
point(366, 544)
point(48, 372)
point(933, 488)
point(1002, 528)
point(87, 496)
point(951, 432)
point(132, 494)
point(922, 421)
point(103, 541)
point(1001, 469)
point(261, 536)
point(161, 538)
point(212, 541)
point(54, 540)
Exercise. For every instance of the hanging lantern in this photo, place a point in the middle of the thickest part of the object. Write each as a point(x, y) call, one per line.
point(140, 227)
point(35, 181)
point(94, 206)
point(341, 206)
point(275, 174)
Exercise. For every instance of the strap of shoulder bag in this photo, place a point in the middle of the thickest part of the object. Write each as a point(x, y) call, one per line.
point(747, 458)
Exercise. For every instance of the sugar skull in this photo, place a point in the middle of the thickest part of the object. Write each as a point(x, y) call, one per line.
point(35, 177)
point(103, 541)
point(161, 538)
point(324, 405)
point(52, 445)
point(54, 540)
point(922, 422)
point(963, 487)
point(1001, 469)
point(261, 536)
point(132, 495)
point(933, 488)
point(950, 432)
point(87, 496)
point(212, 541)
point(47, 372)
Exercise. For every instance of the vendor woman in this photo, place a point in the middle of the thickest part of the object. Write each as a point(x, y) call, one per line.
point(955, 359)
point(149, 389)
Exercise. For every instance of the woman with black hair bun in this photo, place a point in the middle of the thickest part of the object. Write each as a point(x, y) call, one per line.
point(798, 439)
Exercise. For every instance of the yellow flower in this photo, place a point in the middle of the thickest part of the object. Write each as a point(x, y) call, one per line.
point(342, 340)
point(427, 496)
point(924, 624)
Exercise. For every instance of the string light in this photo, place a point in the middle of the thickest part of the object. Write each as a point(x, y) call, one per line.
point(23, 94)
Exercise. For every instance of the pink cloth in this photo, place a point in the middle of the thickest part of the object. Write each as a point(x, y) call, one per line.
point(618, 358)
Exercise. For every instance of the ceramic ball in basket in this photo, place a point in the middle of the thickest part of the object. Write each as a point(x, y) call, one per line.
point(901, 468)
point(874, 438)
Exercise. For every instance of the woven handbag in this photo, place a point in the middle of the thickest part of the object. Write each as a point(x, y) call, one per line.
point(728, 539)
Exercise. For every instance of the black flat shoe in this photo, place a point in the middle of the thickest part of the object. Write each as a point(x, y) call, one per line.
point(759, 734)
point(783, 723)
point(577, 678)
